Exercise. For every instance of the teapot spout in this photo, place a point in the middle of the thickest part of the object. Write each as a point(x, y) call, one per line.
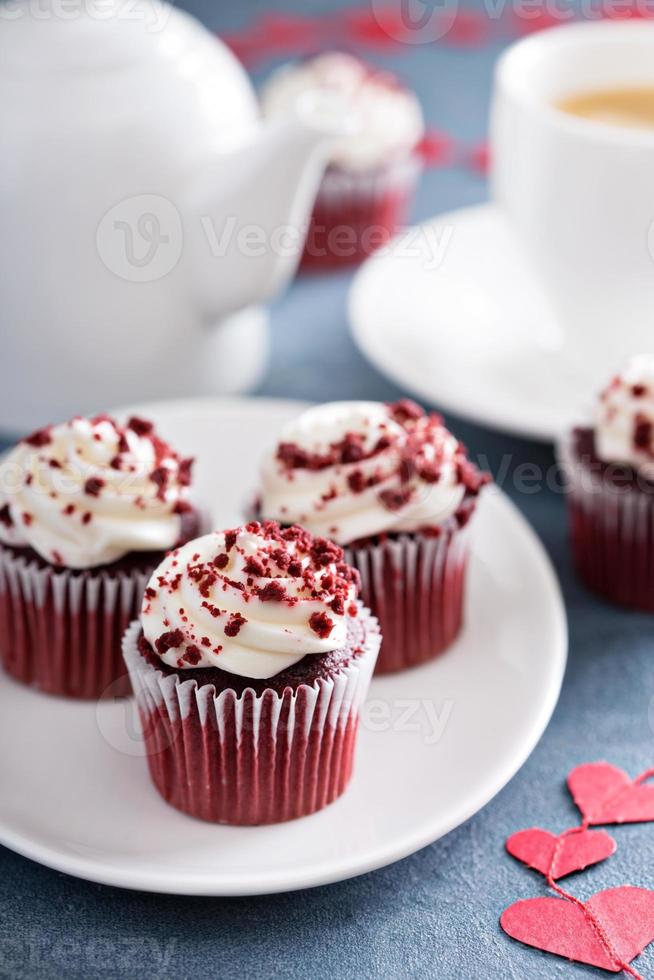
point(248, 213)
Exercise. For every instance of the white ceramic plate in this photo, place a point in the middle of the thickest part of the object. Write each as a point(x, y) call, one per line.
point(452, 312)
point(436, 743)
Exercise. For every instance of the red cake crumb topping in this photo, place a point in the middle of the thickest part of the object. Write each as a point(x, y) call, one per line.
point(142, 427)
point(405, 409)
point(472, 478)
point(93, 486)
point(395, 499)
point(185, 471)
point(169, 641)
point(215, 612)
point(160, 477)
point(42, 437)
point(254, 567)
point(5, 516)
point(321, 624)
point(170, 473)
point(420, 451)
point(272, 592)
point(192, 655)
point(265, 563)
point(233, 627)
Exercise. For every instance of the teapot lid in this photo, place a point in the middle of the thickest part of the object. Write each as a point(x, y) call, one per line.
point(60, 35)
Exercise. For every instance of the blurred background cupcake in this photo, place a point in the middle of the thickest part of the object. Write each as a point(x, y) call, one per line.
point(367, 189)
point(392, 486)
point(609, 470)
point(87, 510)
point(250, 663)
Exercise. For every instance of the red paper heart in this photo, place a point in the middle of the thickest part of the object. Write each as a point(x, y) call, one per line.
point(624, 915)
point(574, 851)
point(606, 794)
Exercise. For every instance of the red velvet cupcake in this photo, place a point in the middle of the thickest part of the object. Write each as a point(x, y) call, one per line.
point(609, 471)
point(368, 186)
point(88, 509)
point(392, 486)
point(250, 663)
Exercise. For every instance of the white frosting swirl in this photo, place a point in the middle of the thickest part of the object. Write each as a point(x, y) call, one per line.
point(252, 601)
point(349, 470)
point(87, 492)
point(388, 118)
point(624, 418)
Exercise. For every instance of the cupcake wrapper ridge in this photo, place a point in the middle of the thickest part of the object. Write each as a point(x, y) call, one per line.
point(250, 759)
point(356, 213)
point(414, 585)
point(612, 535)
point(61, 631)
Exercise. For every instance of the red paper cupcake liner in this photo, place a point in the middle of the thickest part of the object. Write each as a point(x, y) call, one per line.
point(611, 533)
point(356, 213)
point(250, 759)
point(60, 631)
point(414, 584)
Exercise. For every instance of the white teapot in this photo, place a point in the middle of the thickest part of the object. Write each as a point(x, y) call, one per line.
point(144, 210)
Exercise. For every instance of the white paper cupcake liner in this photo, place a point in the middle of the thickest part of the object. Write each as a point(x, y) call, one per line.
point(414, 584)
point(250, 759)
point(357, 212)
point(611, 533)
point(60, 631)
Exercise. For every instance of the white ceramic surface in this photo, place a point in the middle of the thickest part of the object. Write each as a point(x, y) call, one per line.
point(436, 742)
point(580, 192)
point(141, 210)
point(472, 333)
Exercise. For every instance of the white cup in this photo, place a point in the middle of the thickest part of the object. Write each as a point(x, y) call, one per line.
point(578, 193)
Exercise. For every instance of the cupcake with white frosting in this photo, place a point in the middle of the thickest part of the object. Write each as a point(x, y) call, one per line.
point(368, 186)
point(87, 509)
point(609, 469)
point(250, 662)
point(392, 486)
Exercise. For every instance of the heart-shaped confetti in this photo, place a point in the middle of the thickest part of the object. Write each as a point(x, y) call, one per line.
point(562, 855)
point(606, 794)
point(607, 931)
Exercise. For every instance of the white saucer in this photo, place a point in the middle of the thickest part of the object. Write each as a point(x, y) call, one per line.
point(75, 793)
point(471, 334)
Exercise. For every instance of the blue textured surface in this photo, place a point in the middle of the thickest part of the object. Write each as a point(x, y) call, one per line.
point(434, 914)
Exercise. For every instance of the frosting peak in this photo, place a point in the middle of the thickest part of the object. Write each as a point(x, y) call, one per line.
point(252, 601)
point(349, 470)
point(624, 419)
point(89, 491)
point(388, 116)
